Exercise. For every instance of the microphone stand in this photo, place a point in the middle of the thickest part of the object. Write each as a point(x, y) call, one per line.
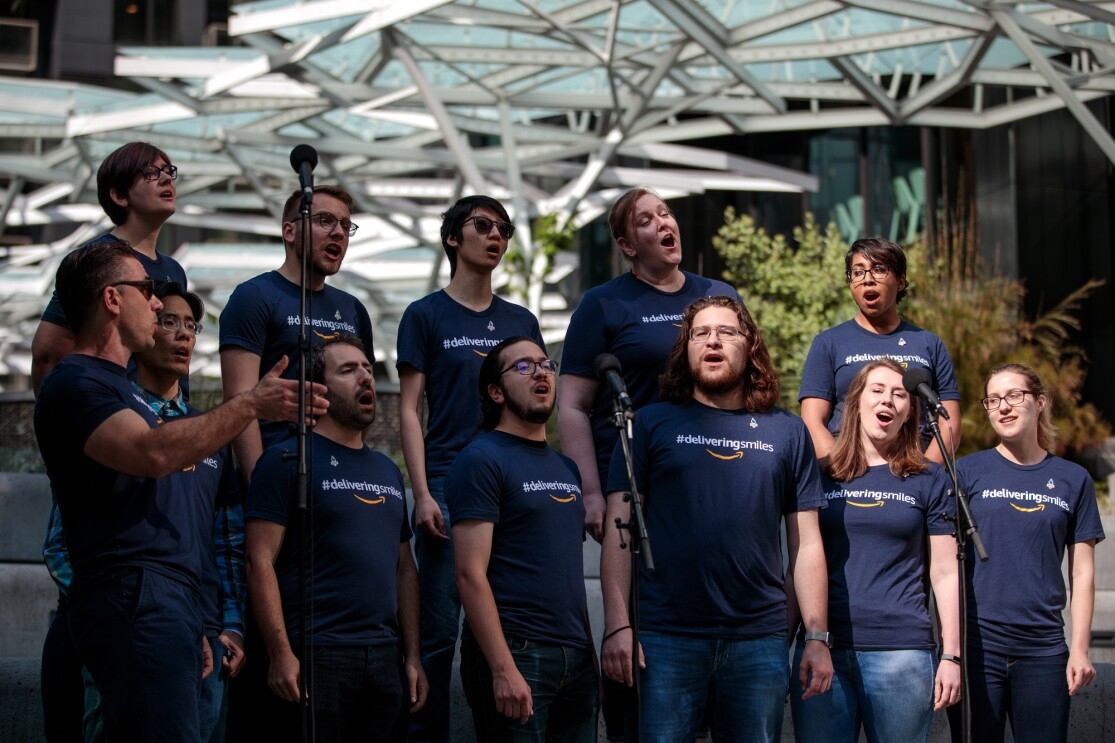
point(639, 543)
point(302, 491)
point(966, 529)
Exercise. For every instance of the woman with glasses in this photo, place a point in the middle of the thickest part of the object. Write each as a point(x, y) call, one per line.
point(1031, 508)
point(136, 189)
point(876, 273)
point(634, 317)
point(887, 529)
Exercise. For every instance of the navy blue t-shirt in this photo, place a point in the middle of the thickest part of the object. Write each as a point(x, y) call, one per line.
point(638, 324)
point(533, 496)
point(447, 342)
point(359, 518)
point(111, 518)
point(161, 268)
point(716, 485)
point(838, 353)
point(1027, 515)
point(262, 317)
point(875, 530)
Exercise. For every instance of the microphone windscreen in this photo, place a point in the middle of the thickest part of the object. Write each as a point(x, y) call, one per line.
point(914, 376)
point(303, 153)
point(605, 363)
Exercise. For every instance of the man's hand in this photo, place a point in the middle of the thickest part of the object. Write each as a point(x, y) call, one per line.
point(417, 684)
point(816, 669)
point(428, 517)
point(283, 675)
point(617, 656)
point(512, 694)
point(1080, 672)
point(206, 658)
point(234, 653)
point(594, 515)
point(276, 398)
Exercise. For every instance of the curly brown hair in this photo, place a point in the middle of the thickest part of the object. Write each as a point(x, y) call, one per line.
point(759, 383)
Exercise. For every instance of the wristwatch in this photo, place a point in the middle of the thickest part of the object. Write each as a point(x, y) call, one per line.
point(825, 637)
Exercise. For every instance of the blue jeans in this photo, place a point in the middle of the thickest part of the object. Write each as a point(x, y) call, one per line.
point(563, 690)
point(889, 693)
point(439, 625)
point(743, 682)
point(1032, 693)
point(139, 634)
point(213, 703)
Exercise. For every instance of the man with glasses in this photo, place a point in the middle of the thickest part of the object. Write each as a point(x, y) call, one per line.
point(260, 323)
point(719, 468)
point(136, 189)
point(443, 339)
point(518, 515)
point(138, 534)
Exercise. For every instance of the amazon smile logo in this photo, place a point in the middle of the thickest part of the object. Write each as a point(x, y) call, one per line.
point(726, 457)
point(873, 504)
point(370, 501)
point(568, 499)
point(1039, 507)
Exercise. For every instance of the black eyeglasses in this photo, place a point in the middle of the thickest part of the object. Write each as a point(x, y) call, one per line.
point(878, 272)
point(153, 173)
point(1014, 397)
point(527, 368)
point(327, 222)
point(171, 324)
point(146, 287)
point(483, 226)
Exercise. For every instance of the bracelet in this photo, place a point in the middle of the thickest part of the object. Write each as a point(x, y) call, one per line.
point(615, 632)
point(949, 656)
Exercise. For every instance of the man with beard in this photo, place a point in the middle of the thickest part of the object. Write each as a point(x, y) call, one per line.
point(260, 323)
point(719, 468)
point(518, 523)
point(363, 618)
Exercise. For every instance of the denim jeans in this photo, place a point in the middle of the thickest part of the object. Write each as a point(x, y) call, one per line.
point(139, 634)
point(62, 688)
point(889, 693)
point(743, 682)
point(212, 704)
point(439, 625)
point(357, 693)
point(1032, 693)
point(563, 689)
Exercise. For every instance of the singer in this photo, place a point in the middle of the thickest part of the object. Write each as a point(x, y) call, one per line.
point(886, 530)
point(1032, 507)
point(259, 325)
point(875, 270)
point(719, 468)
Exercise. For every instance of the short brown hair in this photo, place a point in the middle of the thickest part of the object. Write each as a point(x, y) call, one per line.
point(848, 460)
point(293, 204)
point(84, 274)
point(118, 173)
point(760, 382)
point(879, 251)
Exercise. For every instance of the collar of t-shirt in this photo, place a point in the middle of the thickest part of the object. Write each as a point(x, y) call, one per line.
point(172, 408)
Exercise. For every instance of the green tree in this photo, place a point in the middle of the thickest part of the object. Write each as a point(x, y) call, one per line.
point(793, 291)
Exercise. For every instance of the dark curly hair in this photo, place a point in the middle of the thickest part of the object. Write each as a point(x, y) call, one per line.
point(760, 382)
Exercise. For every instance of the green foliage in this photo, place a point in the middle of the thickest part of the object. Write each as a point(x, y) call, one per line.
point(980, 317)
point(528, 270)
point(792, 292)
point(795, 292)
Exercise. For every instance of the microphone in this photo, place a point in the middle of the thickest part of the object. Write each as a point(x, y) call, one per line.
point(916, 381)
point(607, 369)
point(303, 158)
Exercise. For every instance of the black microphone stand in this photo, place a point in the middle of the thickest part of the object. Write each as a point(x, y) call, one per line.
point(966, 529)
point(639, 543)
point(302, 490)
